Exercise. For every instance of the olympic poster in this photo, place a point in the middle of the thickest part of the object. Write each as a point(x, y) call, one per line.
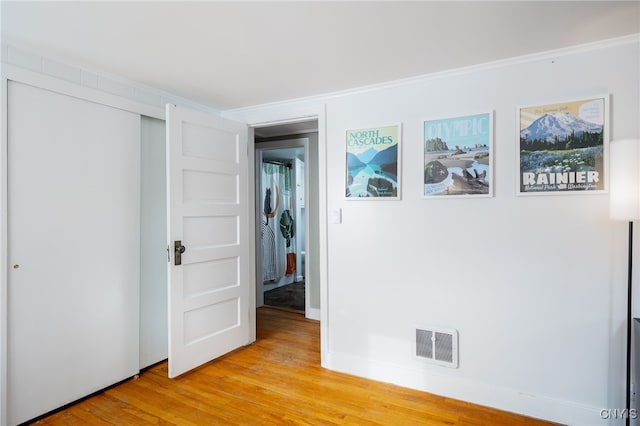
point(458, 156)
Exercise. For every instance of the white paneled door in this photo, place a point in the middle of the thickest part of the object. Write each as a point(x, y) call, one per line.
point(210, 273)
point(73, 248)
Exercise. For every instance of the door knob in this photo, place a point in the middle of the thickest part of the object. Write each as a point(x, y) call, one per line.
point(178, 249)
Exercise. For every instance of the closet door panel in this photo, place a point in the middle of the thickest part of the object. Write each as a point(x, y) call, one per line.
point(74, 248)
point(153, 244)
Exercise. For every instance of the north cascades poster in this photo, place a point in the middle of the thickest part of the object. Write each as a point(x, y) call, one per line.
point(372, 163)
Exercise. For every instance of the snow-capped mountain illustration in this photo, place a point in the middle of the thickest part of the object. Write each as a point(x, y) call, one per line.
point(559, 125)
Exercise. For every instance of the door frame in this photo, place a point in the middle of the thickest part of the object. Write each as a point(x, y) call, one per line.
point(277, 114)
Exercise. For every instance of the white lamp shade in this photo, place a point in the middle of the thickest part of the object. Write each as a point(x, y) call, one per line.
point(624, 183)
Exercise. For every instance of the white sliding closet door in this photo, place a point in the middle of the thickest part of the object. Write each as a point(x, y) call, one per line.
point(153, 244)
point(74, 248)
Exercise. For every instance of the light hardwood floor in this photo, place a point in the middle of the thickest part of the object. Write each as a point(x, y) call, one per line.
point(275, 381)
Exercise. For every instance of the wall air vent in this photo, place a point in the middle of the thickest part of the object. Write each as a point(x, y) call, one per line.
point(438, 346)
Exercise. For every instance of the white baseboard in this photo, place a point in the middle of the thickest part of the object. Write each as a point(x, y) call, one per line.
point(313, 314)
point(485, 394)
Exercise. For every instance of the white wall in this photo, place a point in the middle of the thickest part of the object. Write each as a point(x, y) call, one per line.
point(534, 285)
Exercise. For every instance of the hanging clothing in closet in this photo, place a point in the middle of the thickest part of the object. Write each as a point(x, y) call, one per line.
point(278, 226)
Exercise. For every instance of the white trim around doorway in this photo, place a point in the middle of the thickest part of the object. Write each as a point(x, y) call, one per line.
point(266, 116)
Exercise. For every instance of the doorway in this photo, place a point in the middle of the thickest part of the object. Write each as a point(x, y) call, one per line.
point(282, 217)
point(287, 222)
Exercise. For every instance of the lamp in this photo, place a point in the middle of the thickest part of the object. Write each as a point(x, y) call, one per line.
point(624, 204)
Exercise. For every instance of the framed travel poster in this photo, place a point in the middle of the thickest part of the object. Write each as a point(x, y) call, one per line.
point(373, 163)
point(458, 156)
point(561, 147)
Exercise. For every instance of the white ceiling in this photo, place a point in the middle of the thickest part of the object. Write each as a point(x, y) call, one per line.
point(234, 54)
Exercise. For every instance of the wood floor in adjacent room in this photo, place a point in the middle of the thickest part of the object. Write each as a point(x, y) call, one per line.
point(275, 381)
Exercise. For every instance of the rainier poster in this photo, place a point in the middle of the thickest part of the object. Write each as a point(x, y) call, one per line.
point(372, 162)
point(561, 147)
